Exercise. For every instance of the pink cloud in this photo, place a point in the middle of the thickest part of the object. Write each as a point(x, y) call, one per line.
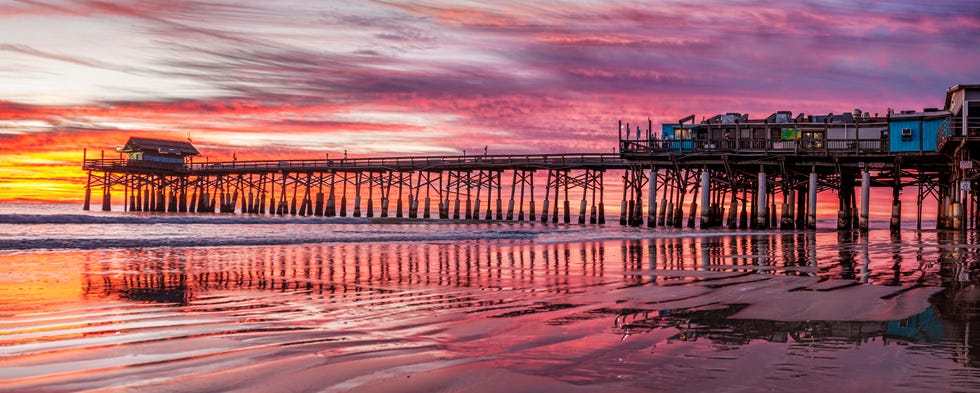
point(541, 77)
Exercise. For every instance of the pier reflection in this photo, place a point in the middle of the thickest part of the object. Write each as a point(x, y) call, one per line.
point(180, 274)
point(516, 280)
point(177, 274)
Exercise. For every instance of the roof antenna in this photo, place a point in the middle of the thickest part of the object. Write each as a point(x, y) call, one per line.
point(189, 137)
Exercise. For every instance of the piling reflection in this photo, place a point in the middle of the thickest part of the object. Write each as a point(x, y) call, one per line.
point(179, 275)
point(563, 284)
point(176, 274)
point(960, 302)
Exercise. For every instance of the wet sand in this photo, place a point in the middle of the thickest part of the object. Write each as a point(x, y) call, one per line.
point(470, 316)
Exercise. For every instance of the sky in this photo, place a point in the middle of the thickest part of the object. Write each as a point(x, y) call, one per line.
point(300, 79)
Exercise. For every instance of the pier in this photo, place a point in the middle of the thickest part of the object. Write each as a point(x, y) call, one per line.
point(487, 187)
point(767, 172)
point(729, 170)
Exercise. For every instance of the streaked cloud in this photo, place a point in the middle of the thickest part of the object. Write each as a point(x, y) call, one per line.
point(307, 79)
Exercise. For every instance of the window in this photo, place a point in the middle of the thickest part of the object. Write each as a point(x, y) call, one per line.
point(906, 135)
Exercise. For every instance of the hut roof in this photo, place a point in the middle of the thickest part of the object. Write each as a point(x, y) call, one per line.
point(181, 148)
point(951, 104)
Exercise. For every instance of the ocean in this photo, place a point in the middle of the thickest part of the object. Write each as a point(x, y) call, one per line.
point(113, 302)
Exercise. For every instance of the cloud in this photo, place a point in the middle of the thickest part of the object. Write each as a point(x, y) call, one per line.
point(434, 77)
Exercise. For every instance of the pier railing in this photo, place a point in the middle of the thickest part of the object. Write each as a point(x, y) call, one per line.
point(953, 131)
point(111, 164)
point(409, 163)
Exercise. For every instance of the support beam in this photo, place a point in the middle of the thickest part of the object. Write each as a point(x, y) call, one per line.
point(583, 203)
point(761, 208)
point(357, 194)
point(343, 197)
point(811, 202)
point(652, 196)
point(895, 224)
point(787, 221)
point(88, 193)
point(510, 202)
point(705, 199)
point(531, 216)
point(865, 203)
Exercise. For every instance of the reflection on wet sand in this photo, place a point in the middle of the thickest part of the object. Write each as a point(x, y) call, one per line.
point(595, 315)
point(176, 275)
point(717, 325)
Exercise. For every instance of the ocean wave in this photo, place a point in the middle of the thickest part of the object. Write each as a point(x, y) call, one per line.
point(177, 219)
point(268, 240)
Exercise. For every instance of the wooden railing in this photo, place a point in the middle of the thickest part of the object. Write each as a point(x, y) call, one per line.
point(953, 130)
point(435, 163)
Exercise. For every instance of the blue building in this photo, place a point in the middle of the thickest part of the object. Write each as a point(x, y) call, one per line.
point(916, 131)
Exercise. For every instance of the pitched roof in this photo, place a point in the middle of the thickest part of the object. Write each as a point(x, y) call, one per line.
point(949, 96)
point(181, 148)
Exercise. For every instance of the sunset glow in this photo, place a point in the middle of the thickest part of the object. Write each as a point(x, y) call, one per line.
point(293, 79)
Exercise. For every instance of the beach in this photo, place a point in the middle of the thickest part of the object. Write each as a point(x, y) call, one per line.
point(116, 302)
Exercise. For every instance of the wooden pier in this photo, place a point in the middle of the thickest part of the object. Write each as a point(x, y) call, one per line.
point(444, 187)
point(728, 171)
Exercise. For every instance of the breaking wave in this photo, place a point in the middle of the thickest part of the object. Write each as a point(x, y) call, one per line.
point(168, 219)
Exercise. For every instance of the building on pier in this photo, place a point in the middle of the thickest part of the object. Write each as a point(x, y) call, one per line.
point(159, 150)
point(750, 164)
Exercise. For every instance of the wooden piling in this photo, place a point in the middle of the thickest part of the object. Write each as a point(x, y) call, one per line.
point(544, 204)
point(370, 199)
point(554, 214)
point(489, 212)
point(811, 201)
point(106, 193)
point(510, 203)
point(531, 216)
point(330, 210)
point(583, 205)
point(694, 203)
point(343, 196)
point(624, 208)
point(761, 207)
point(863, 218)
point(520, 204)
point(357, 194)
point(87, 204)
point(500, 200)
point(706, 216)
point(568, 212)
point(602, 209)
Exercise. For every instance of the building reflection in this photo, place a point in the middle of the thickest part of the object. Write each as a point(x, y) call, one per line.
point(960, 300)
point(717, 326)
